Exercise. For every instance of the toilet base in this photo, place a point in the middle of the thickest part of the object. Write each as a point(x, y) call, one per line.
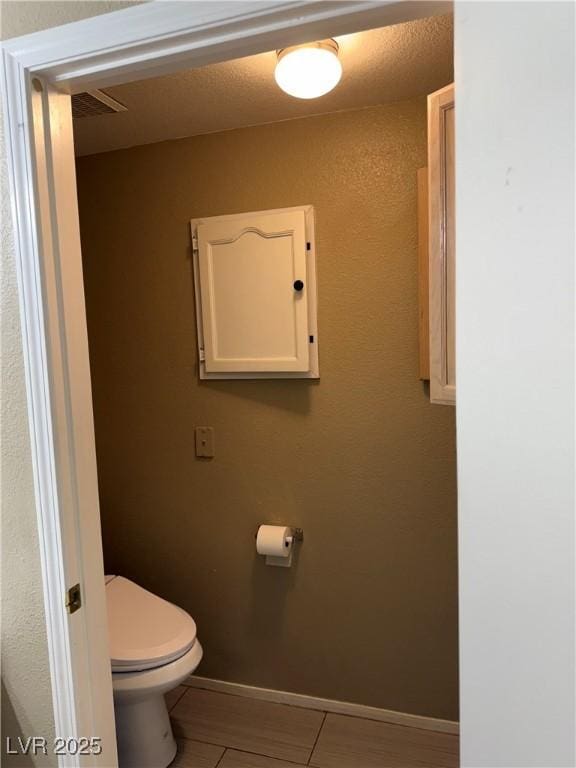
point(143, 730)
point(144, 733)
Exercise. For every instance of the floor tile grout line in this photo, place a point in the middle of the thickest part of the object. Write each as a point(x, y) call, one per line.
point(221, 757)
point(317, 737)
point(178, 700)
point(207, 743)
point(267, 757)
point(180, 737)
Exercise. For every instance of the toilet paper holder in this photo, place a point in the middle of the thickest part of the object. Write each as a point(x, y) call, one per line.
point(296, 533)
point(292, 535)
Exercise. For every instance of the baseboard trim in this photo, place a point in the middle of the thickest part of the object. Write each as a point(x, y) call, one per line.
point(325, 705)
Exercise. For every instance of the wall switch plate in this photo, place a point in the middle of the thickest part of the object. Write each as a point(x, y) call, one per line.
point(204, 442)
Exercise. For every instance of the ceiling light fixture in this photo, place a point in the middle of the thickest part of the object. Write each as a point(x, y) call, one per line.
point(310, 70)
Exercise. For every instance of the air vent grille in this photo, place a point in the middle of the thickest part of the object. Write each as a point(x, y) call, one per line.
point(92, 103)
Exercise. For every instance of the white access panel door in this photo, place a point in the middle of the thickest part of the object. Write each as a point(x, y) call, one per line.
point(253, 291)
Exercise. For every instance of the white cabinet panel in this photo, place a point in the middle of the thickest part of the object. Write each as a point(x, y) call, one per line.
point(256, 294)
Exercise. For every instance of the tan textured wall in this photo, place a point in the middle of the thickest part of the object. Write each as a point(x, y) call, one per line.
point(361, 461)
point(26, 690)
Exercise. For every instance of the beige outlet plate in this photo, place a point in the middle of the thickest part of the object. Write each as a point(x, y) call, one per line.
point(204, 442)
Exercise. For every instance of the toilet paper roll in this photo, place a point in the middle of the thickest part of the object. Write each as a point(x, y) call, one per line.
point(275, 540)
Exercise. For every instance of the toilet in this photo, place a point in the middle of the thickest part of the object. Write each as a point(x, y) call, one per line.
point(153, 648)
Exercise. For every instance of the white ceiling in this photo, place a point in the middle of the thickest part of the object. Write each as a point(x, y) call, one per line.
point(380, 66)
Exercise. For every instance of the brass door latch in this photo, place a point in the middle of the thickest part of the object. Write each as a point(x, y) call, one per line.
point(74, 601)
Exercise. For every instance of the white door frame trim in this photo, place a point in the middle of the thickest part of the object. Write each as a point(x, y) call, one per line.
point(38, 73)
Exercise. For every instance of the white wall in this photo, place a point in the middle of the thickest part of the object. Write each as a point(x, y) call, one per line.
point(26, 691)
point(515, 283)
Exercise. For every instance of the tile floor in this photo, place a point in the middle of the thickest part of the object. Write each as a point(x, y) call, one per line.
point(218, 730)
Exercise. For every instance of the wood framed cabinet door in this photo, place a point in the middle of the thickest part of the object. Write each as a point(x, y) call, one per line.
point(441, 246)
point(256, 294)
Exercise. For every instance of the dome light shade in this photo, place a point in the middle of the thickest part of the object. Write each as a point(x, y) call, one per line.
point(308, 71)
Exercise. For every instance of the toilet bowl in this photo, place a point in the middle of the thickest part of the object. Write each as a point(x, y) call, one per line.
point(153, 648)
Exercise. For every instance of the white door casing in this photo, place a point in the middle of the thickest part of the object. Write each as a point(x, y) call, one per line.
point(62, 435)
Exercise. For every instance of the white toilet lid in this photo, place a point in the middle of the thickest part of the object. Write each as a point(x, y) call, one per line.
point(144, 630)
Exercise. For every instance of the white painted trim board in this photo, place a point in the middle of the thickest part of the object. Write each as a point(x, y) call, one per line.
point(324, 705)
